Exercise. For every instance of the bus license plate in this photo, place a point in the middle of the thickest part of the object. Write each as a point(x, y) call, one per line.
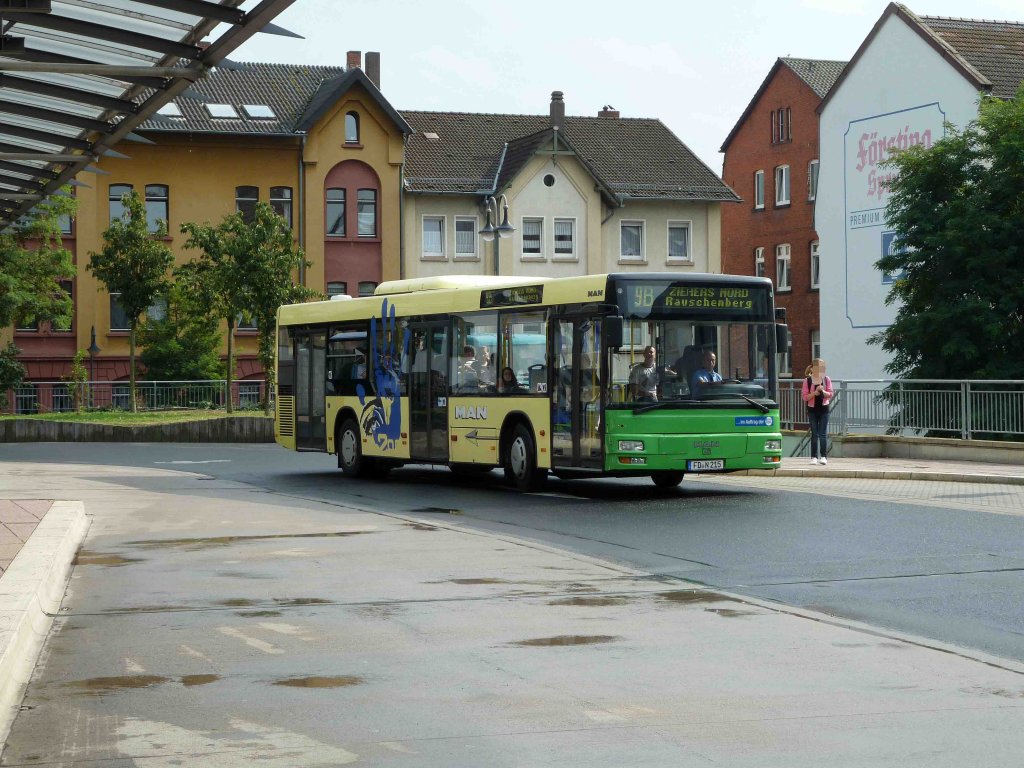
point(700, 466)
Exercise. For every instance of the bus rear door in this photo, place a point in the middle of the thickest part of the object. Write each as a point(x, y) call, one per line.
point(428, 390)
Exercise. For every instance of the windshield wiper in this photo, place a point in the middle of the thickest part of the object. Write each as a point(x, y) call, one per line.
point(760, 406)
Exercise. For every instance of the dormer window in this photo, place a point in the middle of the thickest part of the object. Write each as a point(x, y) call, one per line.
point(352, 128)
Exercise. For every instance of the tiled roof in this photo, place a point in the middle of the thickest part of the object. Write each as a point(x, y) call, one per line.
point(819, 74)
point(629, 157)
point(632, 157)
point(286, 88)
point(994, 48)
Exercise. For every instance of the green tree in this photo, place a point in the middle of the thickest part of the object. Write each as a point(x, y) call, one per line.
point(77, 380)
point(245, 268)
point(957, 208)
point(33, 261)
point(12, 372)
point(134, 263)
point(184, 344)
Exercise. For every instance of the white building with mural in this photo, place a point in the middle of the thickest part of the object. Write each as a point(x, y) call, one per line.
point(910, 76)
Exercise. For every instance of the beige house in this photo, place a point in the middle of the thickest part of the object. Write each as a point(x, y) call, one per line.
point(584, 195)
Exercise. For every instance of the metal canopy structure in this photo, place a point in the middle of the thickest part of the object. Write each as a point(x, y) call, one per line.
point(76, 76)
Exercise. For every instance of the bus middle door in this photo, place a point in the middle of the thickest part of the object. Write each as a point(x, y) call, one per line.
point(428, 391)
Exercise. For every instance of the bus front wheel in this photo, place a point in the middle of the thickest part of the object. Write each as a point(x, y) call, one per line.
point(350, 451)
point(667, 479)
point(521, 461)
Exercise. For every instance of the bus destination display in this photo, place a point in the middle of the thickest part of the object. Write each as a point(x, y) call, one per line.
point(637, 298)
point(512, 297)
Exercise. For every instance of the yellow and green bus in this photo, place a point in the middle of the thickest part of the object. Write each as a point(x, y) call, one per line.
point(537, 376)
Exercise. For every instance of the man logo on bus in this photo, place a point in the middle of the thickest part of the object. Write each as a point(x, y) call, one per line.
point(382, 413)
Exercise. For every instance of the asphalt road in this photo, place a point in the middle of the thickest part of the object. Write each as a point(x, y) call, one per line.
point(931, 568)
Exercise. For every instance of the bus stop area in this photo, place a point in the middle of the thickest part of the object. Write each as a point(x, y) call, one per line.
point(247, 626)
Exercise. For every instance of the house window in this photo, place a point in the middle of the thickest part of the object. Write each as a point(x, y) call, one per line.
point(465, 237)
point(784, 358)
point(433, 237)
point(281, 202)
point(157, 310)
point(758, 189)
point(66, 289)
point(157, 204)
point(117, 207)
point(533, 237)
point(64, 222)
point(631, 241)
point(366, 212)
point(782, 268)
point(119, 320)
point(782, 125)
point(812, 180)
point(815, 344)
point(565, 239)
point(351, 127)
point(815, 264)
point(245, 322)
point(338, 288)
point(336, 212)
point(782, 185)
point(679, 241)
point(26, 324)
point(367, 287)
point(245, 201)
point(759, 262)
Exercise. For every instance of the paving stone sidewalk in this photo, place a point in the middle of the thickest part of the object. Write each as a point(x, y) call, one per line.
point(17, 521)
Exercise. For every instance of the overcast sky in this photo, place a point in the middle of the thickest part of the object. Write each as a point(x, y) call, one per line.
point(693, 66)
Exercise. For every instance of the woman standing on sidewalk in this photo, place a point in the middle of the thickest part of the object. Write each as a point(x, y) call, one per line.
point(817, 394)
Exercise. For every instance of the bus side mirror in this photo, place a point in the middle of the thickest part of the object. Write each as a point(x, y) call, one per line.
point(613, 331)
point(781, 337)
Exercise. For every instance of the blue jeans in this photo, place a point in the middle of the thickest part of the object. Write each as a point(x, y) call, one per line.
point(819, 434)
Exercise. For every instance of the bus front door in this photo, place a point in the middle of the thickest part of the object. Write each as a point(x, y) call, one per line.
point(310, 380)
point(576, 402)
point(428, 391)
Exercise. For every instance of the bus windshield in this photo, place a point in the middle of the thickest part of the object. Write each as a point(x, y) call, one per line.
point(694, 343)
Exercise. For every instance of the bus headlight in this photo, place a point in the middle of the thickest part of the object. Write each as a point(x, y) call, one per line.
point(631, 445)
point(773, 445)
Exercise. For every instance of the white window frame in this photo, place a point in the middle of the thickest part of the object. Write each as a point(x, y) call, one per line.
point(642, 258)
point(783, 268)
point(815, 344)
point(782, 171)
point(523, 255)
point(426, 255)
point(815, 264)
point(813, 168)
point(759, 267)
point(759, 190)
point(679, 224)
point(475, 223)
point(555, 255)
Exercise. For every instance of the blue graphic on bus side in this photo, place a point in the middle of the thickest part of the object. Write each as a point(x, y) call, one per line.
point(754, 421)
point(382, 414)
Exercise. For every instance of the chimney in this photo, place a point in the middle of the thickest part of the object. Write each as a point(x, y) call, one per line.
point(608, 111)
point(557, 110)
point(373, 67)
point(354, 60)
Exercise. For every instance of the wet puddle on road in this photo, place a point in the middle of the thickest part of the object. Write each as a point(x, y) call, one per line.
point(691, 597)
point(86, 557)
point(588, 602)
point(257, 614)
point(191, 680)
point(337, 681)
point(224, 541)
point(100, 686)
point(563, 640)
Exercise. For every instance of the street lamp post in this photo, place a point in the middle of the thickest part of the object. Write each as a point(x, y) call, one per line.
point(503, 230)
point(93, 351)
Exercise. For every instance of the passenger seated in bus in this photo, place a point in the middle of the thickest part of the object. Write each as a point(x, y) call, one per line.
point(468, 370)
point(485, 366)
point(509, 384)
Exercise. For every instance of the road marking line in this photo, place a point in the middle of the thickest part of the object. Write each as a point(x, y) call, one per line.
point(195, 654)
point(252, 642)
point(205, 461)
point(133, 667)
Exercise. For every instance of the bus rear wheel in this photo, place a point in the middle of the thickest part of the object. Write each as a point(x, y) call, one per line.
point(667, 479)
point(350, 451)
point(521, 461)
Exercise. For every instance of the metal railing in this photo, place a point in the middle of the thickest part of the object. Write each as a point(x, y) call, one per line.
point(970, 410)
point(55, 396)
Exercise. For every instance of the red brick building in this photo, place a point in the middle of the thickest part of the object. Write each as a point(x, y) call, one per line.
point(771, 161)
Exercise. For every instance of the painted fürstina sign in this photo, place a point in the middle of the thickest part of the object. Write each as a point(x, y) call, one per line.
point(868, 142)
